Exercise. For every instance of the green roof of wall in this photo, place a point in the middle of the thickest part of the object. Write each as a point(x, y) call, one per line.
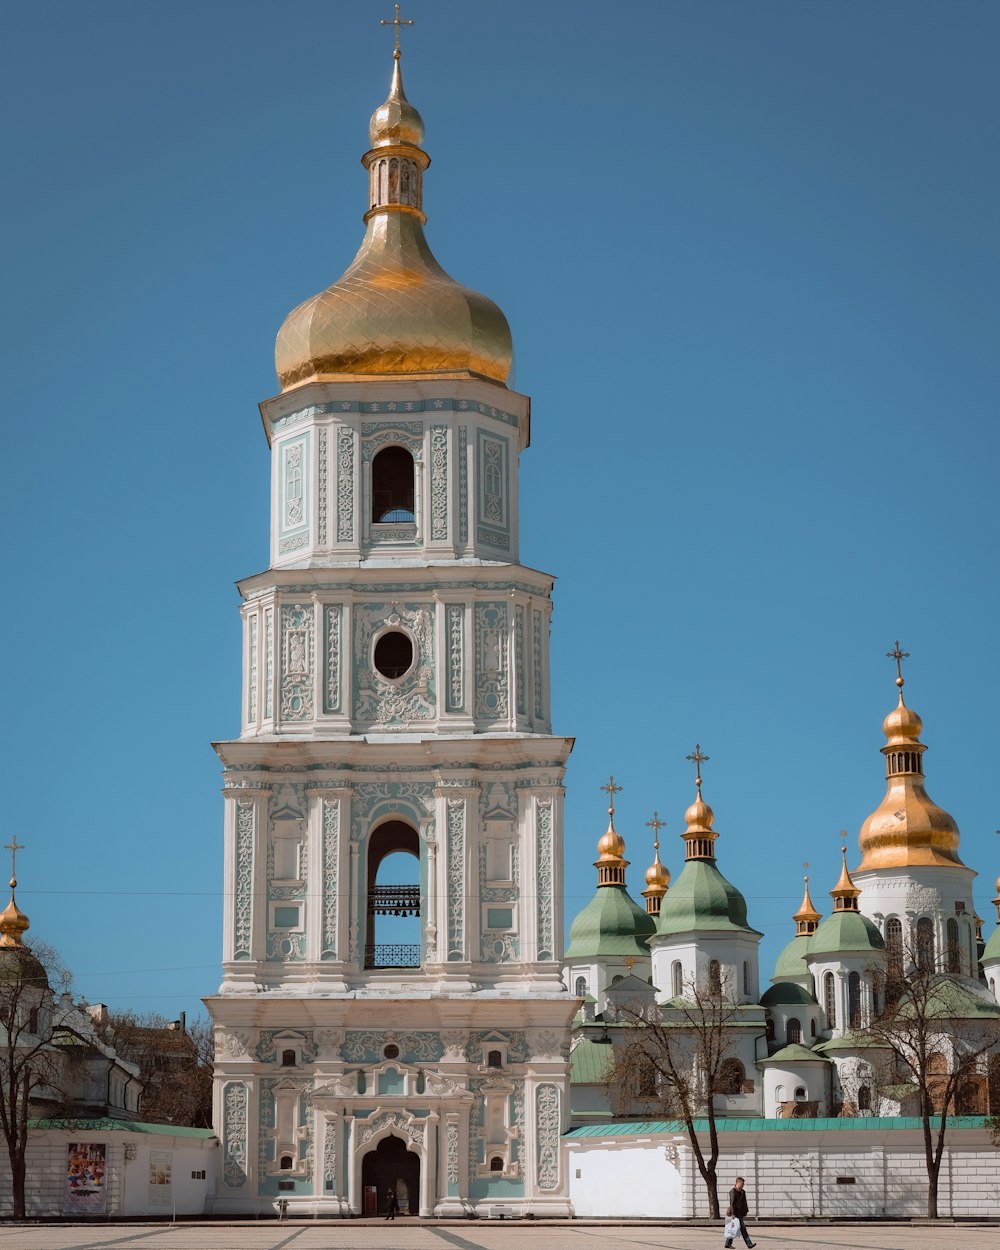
point(588, 1063)
point(992, 948)
point(612, 923)
point(702, 899)
point(843, 932)
point(105, 1125)
point(739, 1124)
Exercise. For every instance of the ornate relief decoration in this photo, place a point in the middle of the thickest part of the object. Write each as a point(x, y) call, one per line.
point(331, 858)
point(397, 1122)
point(491, 661)
point(451, 1151)
point(923, 900)
point(297, 661)
point(330, 1042)
point(519, 669)
point(547, 1136)
point(345, 485)
point(252, 682)
point(499, 947)
point(234, 1134)
point(543, 842)
point(232, 1042)
point(536, 661)
point(293, 544)
point(332, 618)
point(268, 662)
point(330, 1156)
point(366, 1045)
point(550, 1042)
point(516, 1039)
point(394, 703)
point(493, 469)
point(321, 455)
point(266, 1050)
point(245, 824)
point(293, 466)
point(439, 482)
point(456, 650)
point(397, 536)
point(378, 434)
point(456, 1043)
point(456, 878)
point(463, 484)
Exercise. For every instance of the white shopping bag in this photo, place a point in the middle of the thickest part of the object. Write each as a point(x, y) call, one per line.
point(732, 1227)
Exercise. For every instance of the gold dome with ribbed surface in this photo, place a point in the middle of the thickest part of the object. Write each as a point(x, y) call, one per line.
point(395, 311)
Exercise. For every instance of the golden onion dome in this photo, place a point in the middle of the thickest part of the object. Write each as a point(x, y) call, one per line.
point(699, 817)
point(13, 922)
point(395, 311)
point(657, 874)
point(907, 829)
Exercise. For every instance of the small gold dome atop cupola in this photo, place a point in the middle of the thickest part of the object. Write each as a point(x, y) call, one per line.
point(657, 875)
point(908, 828)
point(13, 922)
point(394, 312)
point(611, 862)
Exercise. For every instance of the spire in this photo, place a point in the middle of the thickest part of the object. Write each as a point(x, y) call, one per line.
point(657, 877)
point(845, 893)
point(907, 829)
point(611, 862)
point(699, 836)
point(807, 917)
point(13, 921)
point(396, 161)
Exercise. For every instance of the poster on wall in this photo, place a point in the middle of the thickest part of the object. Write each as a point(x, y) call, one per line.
point(85, 1192)
point(160, 1176)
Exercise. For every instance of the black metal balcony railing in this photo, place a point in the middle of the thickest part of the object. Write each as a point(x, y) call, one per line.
point(392, 955)
point(394, 900)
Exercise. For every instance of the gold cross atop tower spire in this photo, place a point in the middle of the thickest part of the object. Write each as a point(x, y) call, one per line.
point(611, 790)
point(899, 656)
point(13, 846)
point(397, 22)
point(697, 759)
point(656, 824)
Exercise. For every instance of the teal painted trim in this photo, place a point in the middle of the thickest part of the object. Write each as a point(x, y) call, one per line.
point(825, 1124)
point(368, 588)
point(106, 1125)
point(392, 408)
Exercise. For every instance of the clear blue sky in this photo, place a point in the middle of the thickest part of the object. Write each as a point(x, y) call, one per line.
point(749, 253)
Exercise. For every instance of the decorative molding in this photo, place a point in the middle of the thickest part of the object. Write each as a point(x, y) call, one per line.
point(536, 661)
point(252, 676)
point(332, 619)
point(293, 544)
point(407, 434)
point(547, 1136)
point(519, 669)
point(330, 1156)
point(268, 663)
point(394, 702)
point(439, 483)
point(456, 877)
point(366, 1045)
point(297, 661)
point(234, 1134)
point(396, 1121)
point(456, 647)
point(321, 456)
point(451, 1151)
point(330, 809)
point(246, 820)
point(491, 661)
point(345, 485)
point(544, 877)
point(463, 484)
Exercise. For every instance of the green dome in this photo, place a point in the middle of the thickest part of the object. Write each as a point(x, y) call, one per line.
point(787, 994)
point(793, 1054)
point(19, 967)
point(611, 924)
point(791, 964)
point(992, 950)
point(702, 898)
point(845, 932)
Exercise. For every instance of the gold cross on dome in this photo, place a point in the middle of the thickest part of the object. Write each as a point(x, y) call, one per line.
point(611, 790)
point(656, 824)
point(398, 22)
point(899, 656)
point(13, 846)
point(697, 759)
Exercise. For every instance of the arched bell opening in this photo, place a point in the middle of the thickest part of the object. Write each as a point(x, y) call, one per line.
point(392, 487)
point(390, 1166)
point(392, 932)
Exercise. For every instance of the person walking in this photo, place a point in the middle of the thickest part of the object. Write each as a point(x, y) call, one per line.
point(739, 1207)
point(391, 1205)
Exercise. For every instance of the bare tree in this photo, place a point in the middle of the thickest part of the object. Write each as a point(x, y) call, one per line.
point(175, 1060)
point(674, 1059)
point(32, 1018)
point(939, 1031)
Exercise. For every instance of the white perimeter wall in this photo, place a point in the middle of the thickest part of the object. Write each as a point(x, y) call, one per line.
point(787, 1173)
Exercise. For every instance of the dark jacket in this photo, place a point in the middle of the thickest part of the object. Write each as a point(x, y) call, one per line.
point(738, 1202)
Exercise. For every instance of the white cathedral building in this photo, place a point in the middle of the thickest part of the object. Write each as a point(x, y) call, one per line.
point(422, 1029)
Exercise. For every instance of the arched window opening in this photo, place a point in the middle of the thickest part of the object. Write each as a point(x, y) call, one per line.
point(769, 1029)
point(581, 986)
point(494, 1059)
point(854, 1000)
point(746, 976)
point(616, 978)
point(954, 955)
point(800, 1093)
point(287, 1163)
point(894, 960)
point(33, 1020)
point(830, 1000)
point(812, 1026)
point(864, 1098)
point(677, 978)
point(731, 1077)
point(793, 1032)
point(714, 977)
point(288, 1058)
point(925, 944)
point(392, 487)
point(496, 1164)
point(392, 935)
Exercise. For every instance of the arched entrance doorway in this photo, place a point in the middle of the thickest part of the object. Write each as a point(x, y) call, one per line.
point(391, 1164)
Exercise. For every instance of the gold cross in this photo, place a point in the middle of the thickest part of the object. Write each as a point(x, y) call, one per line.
point(611, 790)
point(697, 759)
point(899, 656)
point(396, 21)
point(656, 824)
point(13, 846)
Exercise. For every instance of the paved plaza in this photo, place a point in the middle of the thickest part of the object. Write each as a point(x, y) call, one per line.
point(408, 1235)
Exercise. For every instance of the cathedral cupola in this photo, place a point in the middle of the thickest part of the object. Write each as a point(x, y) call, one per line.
point(699, 836)
point(807, 917)
point(907, 829)
point(17, 964)
point(657, 876)
point(611, 862)
point(394, 311)
point(791, 963)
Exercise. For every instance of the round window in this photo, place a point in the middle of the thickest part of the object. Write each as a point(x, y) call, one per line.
point(391, 1051)
point(394, 654)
